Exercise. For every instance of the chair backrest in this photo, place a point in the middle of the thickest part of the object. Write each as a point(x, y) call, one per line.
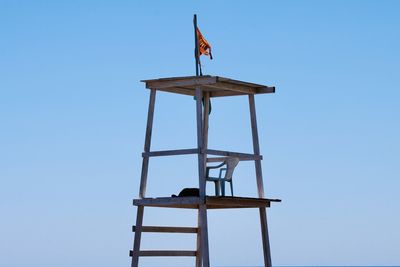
point(231, 163)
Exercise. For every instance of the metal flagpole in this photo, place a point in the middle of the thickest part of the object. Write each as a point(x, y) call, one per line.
point(196, 42)
point(197, 55)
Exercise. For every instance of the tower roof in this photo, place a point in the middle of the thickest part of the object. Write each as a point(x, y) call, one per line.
point(216, 85)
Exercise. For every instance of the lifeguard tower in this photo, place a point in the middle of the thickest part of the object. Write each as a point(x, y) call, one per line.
point(202, 88)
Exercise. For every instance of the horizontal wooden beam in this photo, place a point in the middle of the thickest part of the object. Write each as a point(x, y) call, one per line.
point(241, 156)
point(225, 93)
point(265, 90)
point(260, 90)
point(198, 81)
point(170, 202)
point(236, 202)
point(212, 202)
point(217, 86)
point(167, 229)
point(221, 86)
point(170, 152)
point(216, 159)
point(236, 88)
point(165, 253)
point(177, 90)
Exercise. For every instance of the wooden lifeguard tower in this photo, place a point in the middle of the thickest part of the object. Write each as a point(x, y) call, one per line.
point(202, 88)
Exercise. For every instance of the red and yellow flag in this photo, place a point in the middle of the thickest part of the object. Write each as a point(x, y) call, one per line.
point(204, 46)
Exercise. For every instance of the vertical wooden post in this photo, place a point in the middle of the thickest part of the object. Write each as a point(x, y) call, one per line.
point(202, 182)
point(138, 235)
point(205, 121)
point(198, 240)
point(265, 238)
point(199, 119)
point(260, 185)
point(147, 142)
point(256, 146)
point(206, 102)
point(205, 144)
point(143, 179)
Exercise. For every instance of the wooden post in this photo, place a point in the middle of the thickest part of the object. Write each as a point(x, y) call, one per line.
point(147, 142)
point(205, 144)
point(143, 179)
point(198, 241)
point(138, 235)
point(256, 146)
point(203, 228)
point(205, 120)
point(260, 186)
point(199, 119)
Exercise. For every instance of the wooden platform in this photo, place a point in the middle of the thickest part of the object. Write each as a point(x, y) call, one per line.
point(212, 202)
point(215, 85)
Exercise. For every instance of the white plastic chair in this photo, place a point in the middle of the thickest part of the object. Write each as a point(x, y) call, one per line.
point(230, 163)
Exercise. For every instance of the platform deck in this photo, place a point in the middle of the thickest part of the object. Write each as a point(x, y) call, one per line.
point(212, 202)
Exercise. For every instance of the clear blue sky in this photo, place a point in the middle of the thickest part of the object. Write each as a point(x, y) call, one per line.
point(72, 121)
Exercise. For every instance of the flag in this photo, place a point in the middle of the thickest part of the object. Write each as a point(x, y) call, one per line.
point(204, 46)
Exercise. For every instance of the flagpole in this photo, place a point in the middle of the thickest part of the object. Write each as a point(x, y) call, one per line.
point(196, 50)
point(197, 57)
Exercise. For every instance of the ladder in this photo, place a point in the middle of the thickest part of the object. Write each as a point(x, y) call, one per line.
point(139, 229)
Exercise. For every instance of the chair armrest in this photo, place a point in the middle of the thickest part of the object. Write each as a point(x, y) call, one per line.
point(208, 168)
point(216, 167)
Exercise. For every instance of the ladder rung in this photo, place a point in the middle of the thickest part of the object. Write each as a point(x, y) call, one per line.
point(165, 253)
point(166, 229)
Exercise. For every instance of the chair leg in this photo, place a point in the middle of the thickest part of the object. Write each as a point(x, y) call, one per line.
point(231, 182)
point(217, 188)
point(223, 188)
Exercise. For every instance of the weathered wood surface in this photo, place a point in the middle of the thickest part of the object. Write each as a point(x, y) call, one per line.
point(147, 143)
point(178, 90)
point(199, 259)
point(221, 93)
point(212, 202)
point(256, 146)
point(205, 121)
point(260, 185)
point(202, 223)
point(164, 253)
point(166, 229)
point(175, 152)
point(203, 226)
point(171, 202)
point(199, 121)
point(190, 82)
point(265, 238)
point(241, 156)
point(215, 85)
point(236, 202)
point(138, 235)
point(216, 159)
point(202, 212)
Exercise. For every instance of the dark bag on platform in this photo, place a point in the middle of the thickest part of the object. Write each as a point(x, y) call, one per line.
point(188, 192)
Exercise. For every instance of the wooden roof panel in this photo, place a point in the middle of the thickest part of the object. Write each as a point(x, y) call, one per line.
point(217, 86)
